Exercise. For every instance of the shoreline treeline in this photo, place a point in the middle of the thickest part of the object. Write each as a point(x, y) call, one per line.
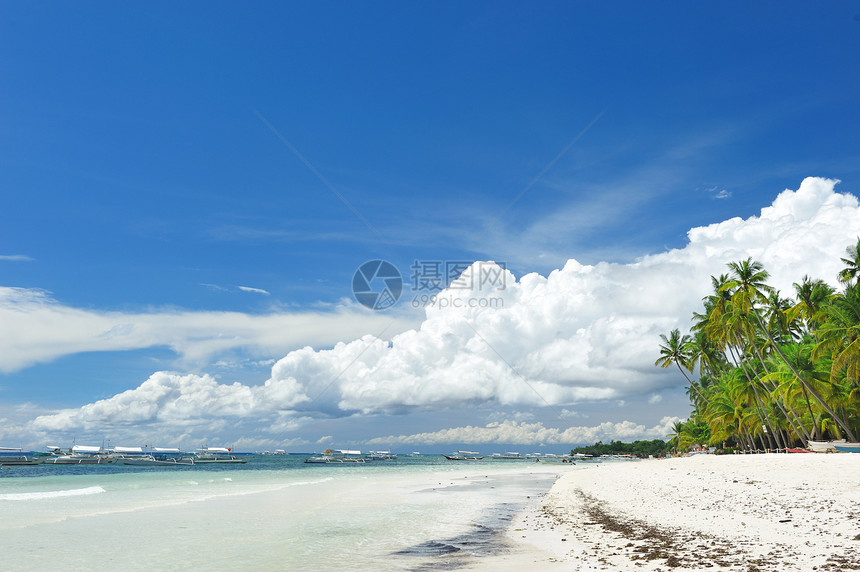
point(773, 372)
point(643, 449)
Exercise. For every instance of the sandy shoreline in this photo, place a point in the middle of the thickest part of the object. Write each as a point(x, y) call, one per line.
point(744, 512)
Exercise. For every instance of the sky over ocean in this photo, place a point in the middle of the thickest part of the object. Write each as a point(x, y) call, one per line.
point(191, 194)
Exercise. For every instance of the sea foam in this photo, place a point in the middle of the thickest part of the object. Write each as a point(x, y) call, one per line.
point(51, 494)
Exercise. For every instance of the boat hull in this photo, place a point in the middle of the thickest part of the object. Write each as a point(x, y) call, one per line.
point(848, 448)
point(825, 446)
point(157, 463)
point(78, 461)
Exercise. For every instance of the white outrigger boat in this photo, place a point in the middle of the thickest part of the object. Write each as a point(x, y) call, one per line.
point(217, 455)
point(464, 456)
point(152, 461)
point(159, 457)
point(508, 456)
point(80, 455)
point(16, 456)
point(337, 456)
point(825, 446)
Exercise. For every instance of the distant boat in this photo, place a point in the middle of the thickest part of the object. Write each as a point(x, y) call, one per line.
point(217, 455)
point(508, 456)
point(848, 448)
point(337, 456)
point(152, 461)
point(464, 456)
point(381, 456)
point(80, 455)
point(16, 456)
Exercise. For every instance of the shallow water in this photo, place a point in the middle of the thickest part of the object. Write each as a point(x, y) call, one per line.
point(273, 513)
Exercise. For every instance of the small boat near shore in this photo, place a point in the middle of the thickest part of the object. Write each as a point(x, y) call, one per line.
point(825, 446)
point(848, 448)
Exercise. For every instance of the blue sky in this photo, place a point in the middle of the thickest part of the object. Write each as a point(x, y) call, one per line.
point(145, 169)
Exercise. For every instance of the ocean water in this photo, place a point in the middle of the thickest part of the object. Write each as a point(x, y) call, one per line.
point(274, 513)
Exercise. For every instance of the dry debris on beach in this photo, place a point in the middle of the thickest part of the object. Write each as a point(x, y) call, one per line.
point(740, 513)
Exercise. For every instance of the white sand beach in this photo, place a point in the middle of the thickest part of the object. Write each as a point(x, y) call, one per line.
point(736, 512)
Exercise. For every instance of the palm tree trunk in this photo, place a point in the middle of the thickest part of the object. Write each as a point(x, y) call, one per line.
point(699, 393)
point(762, 414)
point(779, 403)
point(814, 393)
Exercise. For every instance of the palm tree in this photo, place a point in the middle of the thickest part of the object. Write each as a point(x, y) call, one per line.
point(675, 435)
point(852, 270)
point(812, 296)
point(676, 350)
point(749, 287)
point(840, 334)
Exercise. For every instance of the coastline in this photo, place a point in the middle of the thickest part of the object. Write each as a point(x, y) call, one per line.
point(734, 512)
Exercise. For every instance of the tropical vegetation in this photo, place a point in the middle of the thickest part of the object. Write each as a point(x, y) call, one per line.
point(768, 372)
point(655, 447)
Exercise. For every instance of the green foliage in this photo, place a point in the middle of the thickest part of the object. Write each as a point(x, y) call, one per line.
point(773, 372)
point(643, 449)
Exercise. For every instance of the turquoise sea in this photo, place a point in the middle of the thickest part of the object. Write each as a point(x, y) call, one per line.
point(273, 513)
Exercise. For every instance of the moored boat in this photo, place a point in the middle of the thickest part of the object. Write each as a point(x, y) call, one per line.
point(16, 456)
point(337, 456)
point(848, 448)
point(824, 446)
point(464, 456)
point(152, 461)
point(80, 455)
point(217, 455)
point(510, 456)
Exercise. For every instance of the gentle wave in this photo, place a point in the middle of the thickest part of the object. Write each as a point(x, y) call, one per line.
point(52, 494)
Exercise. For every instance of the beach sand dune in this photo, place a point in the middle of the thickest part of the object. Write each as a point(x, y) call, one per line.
point(739, 512)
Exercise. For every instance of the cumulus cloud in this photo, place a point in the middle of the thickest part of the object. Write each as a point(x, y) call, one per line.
point(36, 328)
point(174, 406)
point(522, 433)
point(582, 333)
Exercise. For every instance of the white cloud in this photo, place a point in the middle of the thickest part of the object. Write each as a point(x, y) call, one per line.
point(36, 328)
point(523, 433)
point(15, 258)
point(582, 333)
point(177, 400)
point(253, 290)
